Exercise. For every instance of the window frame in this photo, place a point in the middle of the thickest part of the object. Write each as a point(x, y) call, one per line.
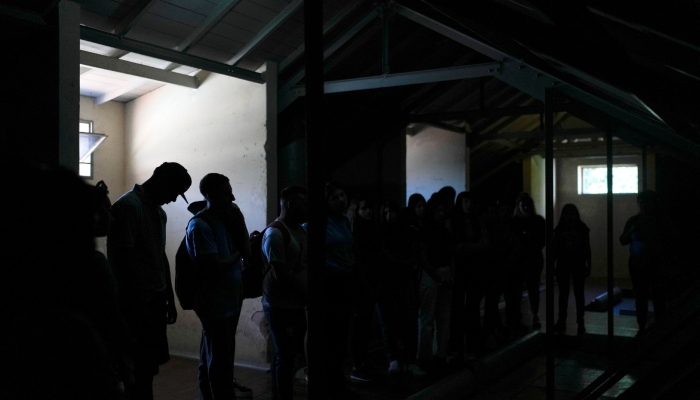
point(90, 160)
point(604, 166)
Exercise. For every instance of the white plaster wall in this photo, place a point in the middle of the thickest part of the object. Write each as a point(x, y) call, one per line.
point(219, 127)
point(434, 158)
point(593, 210)
point(108, 158)
point(538, 184)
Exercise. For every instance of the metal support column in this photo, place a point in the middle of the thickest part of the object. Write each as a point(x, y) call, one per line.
point(316, 167)
point(644, 168)
point(549, 251)
point(68, 83)
point(385, 43)
point(611, 282)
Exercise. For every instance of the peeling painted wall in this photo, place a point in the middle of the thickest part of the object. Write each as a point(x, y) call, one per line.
point(434, 158)
point(219, 127)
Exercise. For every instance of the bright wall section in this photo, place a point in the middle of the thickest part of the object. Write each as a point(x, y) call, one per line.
point(219, 127)
point(435, 158)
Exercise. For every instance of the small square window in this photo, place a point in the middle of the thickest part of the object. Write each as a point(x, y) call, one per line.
point(593, 179)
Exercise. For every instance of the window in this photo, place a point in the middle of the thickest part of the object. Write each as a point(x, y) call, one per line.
point(85, 163)
point(593, 179)
point(87, 143)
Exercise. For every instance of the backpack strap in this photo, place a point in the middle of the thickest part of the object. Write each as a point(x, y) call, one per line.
point(286, 236)
point(283, 228)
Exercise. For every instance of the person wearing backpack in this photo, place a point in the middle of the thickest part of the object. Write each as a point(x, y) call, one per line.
point(284, 300)
point(215, 240)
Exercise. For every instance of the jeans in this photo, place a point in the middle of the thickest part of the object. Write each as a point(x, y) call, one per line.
point(287, 329)
point(433, 318)
point(216, 353)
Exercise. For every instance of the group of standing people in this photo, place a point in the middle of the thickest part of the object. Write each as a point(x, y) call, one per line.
point(423, 270)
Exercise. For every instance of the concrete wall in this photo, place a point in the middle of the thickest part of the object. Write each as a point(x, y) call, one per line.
point(593, 209)
point(108, 158)
point(219, 127)
point(434, 158)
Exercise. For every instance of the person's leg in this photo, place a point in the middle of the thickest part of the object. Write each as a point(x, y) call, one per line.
point(142, 388)
point(364, 301)
point(533, 280)
point(217, 347)
point(457, 305)
point(426, 316)
point(514, 295)
point(286, 329)
point(386, 314)
point(658, 292)
point(563, 281)
point(578, 280)
point(442, 320)
point(203, 371)
point(640, 286)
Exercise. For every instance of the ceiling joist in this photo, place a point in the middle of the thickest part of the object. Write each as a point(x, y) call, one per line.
point(107, 39)
point(140, 70)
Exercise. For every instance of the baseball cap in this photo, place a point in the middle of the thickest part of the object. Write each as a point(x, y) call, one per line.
point(175, 175)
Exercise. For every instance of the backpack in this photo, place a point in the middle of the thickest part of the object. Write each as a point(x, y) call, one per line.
point(254, 271)
point(186, 274)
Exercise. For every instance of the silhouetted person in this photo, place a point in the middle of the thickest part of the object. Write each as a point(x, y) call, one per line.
point(336, 309)
point(366, 250)
point(530, 230)
point(51, 349)
point(136, 251)
point(285, 286)
point(502, 254)
point(397, 297)
point(217, 238)
point(435, 286)
point(572, 260)
point(102, 305)
point(471, 245)
point(645, 233)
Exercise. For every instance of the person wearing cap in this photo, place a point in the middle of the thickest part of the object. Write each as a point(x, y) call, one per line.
point(136, 252)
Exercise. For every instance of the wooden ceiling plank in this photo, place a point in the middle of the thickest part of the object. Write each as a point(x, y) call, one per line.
point(133, 17)
point(266, 31)
point(212, 19)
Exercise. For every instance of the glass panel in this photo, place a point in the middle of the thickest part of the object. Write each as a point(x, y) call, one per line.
point(594, 179)
point(84, 169)
point(84, 127)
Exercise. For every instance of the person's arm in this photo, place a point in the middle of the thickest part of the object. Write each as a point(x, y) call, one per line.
point(121, 242)
point(170, 310)
point(626, 237)
point(201, 238)
point(212, 261)
point(587, 249)
point(274, 253)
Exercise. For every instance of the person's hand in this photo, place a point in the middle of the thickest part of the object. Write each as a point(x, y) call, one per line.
point(170, 313)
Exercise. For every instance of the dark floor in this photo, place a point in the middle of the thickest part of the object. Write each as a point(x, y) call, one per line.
point(579, 361)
